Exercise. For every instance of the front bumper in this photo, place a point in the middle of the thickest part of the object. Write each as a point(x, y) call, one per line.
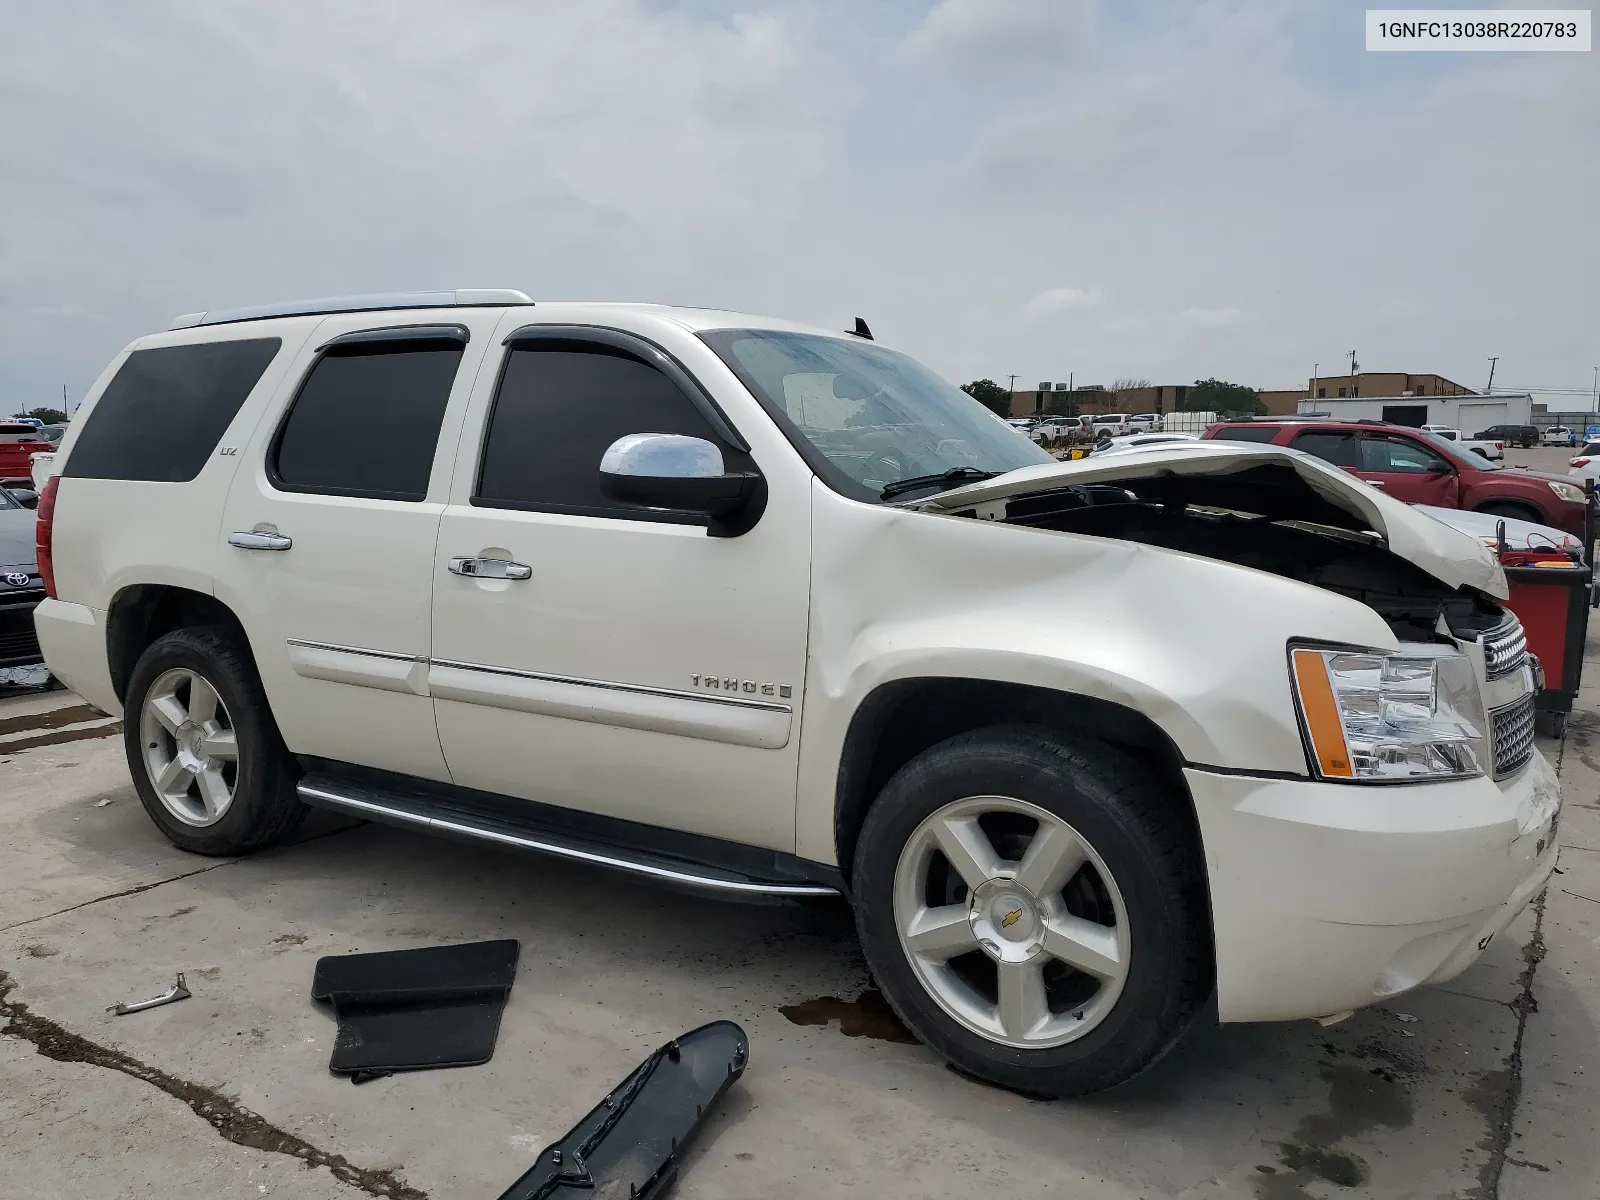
point(19, 644)
point(1327, 897)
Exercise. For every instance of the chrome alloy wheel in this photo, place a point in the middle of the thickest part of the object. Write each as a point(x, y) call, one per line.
point(190, 752)
point(1011, 921)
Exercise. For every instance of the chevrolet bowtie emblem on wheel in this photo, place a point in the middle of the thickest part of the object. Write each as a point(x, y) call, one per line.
point(16, 578)
point(1011, 918)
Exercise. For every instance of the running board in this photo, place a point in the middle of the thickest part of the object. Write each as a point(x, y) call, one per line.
point(526, 825)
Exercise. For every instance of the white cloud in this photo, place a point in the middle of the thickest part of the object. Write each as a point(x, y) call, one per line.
point(1064, 299)
point(809, 158)
point(1002, 35)
point(1211, 318)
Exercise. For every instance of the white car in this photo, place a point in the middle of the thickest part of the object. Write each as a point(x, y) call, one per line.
point(1586, 465)
point(1558, 435)
point(740, 606)
point(1057, 431)
point(1144, 423)
point(1141, 441)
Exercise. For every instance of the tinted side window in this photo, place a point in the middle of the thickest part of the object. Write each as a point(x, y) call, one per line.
point(1246, 433)
point(164, 411)
point(560, 405)
point(1399, 456)
point(366, 421)
point(1341, 449)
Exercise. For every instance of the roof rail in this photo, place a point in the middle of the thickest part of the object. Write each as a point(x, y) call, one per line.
point(374, 302)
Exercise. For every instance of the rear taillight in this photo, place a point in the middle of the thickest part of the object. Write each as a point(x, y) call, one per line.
point(44, 535)
point(1578, 462)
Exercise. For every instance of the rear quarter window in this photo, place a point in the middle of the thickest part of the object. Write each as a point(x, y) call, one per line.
point(165, 410)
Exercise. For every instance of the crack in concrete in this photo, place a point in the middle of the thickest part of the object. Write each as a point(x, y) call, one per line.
point(133, 891)
point(1499, 1143)
point(230, 1119)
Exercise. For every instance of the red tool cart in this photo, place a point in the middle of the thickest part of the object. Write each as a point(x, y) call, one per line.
point(1552, 593)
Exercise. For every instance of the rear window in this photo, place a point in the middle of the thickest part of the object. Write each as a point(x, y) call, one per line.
point(1245, 433)
point(164, 412)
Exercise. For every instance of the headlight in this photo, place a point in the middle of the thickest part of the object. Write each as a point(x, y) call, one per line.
point(1565, 491)
point(1379, 718)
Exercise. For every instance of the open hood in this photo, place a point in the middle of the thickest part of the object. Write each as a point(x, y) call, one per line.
point(1269, 481)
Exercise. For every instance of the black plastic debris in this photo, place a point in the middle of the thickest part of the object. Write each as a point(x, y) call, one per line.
point(412, 1010)
point(629, 1146)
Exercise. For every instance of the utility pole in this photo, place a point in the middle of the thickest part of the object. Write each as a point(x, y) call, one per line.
point(1489, 391)
point(1354, 367)
point(1597, 389)
point(1311, 392)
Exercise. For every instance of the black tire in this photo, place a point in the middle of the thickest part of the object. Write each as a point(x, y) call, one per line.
point(1140, 830)
point(265, 806)
point(1513, 510)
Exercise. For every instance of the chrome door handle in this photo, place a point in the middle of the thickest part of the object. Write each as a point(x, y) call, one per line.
point(490, 568)
point(252, 539)
point(1378, 483)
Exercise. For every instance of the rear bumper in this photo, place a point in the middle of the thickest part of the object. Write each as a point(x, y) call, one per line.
point(1328, 897)
point(73, 640)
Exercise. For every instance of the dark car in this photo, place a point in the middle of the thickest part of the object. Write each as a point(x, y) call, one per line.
point(1421, 468)
point(21, 588)
point(1525, 436)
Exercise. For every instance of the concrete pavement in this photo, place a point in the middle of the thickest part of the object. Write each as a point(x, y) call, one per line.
point(1486, 1092)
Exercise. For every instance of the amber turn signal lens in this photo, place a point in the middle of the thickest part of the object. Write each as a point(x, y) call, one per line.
point(1322, 715)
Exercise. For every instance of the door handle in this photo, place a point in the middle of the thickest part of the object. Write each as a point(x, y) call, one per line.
point(489, 568)
point(254, 539)
point(1378, 483)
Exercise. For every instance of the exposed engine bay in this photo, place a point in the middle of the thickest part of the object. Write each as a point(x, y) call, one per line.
point(1315, 543)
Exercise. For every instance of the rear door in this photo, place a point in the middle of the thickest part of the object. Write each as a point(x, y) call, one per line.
point(329, 531)
point(1408, 470)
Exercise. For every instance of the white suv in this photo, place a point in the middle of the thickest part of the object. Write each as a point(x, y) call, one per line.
point(738, 605)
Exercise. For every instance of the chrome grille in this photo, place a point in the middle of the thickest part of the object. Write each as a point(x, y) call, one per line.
point(1504, 648)
point(1512, 734)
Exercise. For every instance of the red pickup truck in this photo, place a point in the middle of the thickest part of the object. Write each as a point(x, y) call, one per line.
point(19, 442)
point(1419, 468)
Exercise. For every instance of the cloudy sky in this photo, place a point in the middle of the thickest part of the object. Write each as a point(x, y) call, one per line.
point(1169, 190)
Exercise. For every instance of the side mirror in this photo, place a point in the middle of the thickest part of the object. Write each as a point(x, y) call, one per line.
point(25, 498)
point(685, 474)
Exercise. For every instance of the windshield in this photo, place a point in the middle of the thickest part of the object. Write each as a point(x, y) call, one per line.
point(6, 501)
point(866, 418)
point(1456, 454)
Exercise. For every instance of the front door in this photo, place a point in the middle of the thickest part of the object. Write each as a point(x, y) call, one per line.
point(607, 658)
point(1408, 470)
point(329, 532)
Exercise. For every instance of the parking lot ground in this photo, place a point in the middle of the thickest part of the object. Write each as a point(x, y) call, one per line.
point(1480, 1089)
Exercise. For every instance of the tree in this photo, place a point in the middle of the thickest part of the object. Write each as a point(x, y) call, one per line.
point(989, 394)
point(1223, 398)
point(50, 416)
point(1127, 383)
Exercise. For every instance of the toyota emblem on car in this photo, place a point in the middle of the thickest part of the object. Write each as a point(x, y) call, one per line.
point(17, 578)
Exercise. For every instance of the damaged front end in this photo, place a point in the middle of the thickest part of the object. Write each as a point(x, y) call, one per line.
point(1271, 510)
point(1453, 698)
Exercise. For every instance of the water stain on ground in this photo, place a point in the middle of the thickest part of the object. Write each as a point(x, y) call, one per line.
point(1359, 1099)
point(869, 1016)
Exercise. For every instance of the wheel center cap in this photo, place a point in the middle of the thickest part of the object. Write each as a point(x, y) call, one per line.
point(188, 739)
point(1005, 919)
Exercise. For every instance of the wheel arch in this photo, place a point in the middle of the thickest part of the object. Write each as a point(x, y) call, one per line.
point(141, 613)
point(1526, 509)
point(900, 719)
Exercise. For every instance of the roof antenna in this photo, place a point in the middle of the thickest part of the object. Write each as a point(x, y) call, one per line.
point(861, 330)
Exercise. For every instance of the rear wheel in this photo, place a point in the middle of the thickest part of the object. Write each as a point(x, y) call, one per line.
point(206, 757)
point(1034, 911)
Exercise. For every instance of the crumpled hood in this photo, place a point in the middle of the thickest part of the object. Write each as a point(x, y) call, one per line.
point(1450, 556)
point(17, 539)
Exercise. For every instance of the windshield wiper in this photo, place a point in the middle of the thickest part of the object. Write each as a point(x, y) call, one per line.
point(950, 478)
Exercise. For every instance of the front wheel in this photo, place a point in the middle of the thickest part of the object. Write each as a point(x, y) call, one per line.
point(1034, 911)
